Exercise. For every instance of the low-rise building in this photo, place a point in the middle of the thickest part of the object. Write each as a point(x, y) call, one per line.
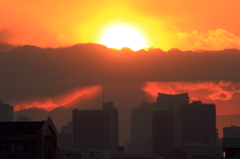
point(28, 140)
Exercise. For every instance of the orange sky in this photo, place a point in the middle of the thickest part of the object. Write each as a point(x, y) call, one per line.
point(186, 24)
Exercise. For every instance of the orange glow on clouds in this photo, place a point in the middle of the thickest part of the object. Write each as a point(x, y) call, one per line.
point(218, 39)
point(62, 100)
point(197, 90)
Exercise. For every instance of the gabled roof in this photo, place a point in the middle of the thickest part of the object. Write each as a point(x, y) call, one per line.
point(20, 128)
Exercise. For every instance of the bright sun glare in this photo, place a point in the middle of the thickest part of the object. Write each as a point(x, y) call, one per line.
point(119, 36)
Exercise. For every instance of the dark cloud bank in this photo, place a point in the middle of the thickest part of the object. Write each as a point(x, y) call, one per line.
point(33, 73)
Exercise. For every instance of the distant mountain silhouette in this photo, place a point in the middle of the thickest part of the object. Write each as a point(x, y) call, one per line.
point(36, 114)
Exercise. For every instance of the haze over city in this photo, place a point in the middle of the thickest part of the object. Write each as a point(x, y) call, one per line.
point(59, 55)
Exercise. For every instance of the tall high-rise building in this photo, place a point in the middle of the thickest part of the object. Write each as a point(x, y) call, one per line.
point(198, 122)
point(96, 129)
point(141, 121)
point(141, 125)
point(231, 132)
point(198, 129)
point(65, 137)
point(6, 112)
point(162, 133)
point(171, 102)
point(175, 100)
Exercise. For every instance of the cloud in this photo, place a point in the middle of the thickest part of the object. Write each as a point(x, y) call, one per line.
point(4, 40)
point(218, 39)
point(65, 99)
point(31, 73)
point(207, 90)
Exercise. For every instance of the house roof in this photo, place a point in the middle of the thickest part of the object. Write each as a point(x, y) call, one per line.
point(20, 128)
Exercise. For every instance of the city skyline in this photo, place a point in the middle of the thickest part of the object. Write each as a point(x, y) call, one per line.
point(176, 127)
point(57, 56)
point(39, 115)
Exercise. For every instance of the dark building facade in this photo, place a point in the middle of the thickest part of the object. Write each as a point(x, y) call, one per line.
point(28, 140)
point(162, 133)
point(231, 147)
point(198, 129)
point(96, 129)
point(65, 137)
point(198, 122)
point(231, 132)
point(6, 112)
point(141, 128)
point(141, 122)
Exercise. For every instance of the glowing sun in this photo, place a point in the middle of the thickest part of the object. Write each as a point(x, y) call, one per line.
point(119, 36)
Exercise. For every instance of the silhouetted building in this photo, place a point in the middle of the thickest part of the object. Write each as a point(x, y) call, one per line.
point(162, 133)
point(67, 128)
point(65, 137)
point(28, 140)
point(231, 147)
point(23, 118)
point(6, 112)
point(231, 132)
point(198, 129)
point(97, 154)
point(96, 129)
point(141, 125)
point(141, 121)
point(175, 100)
point(65, 141)
point(171, 102)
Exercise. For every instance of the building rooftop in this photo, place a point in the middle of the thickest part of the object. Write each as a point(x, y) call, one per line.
point(20, 128)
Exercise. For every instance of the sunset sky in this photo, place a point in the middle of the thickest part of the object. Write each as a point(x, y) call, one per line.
point(165, 24)
point(50, 53)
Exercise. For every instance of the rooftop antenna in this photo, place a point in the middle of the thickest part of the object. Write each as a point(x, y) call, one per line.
point(103, 96)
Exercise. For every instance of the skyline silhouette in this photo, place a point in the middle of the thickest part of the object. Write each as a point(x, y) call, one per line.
point(74, 77)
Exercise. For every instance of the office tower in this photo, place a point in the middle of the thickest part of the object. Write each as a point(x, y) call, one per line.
point(175, 100)
point(171, 102)
point(67, 128)
point(141, 121)
point(162, 133)
point(96, 129)
point(6, 112)
point(65, 137)
point(141, 124)
point(198, 129)
point(198, 123)
point(231, 132)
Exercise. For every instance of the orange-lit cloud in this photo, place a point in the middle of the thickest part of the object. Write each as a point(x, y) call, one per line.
point(197, 90)
point(218, 39)
point(62, 100)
